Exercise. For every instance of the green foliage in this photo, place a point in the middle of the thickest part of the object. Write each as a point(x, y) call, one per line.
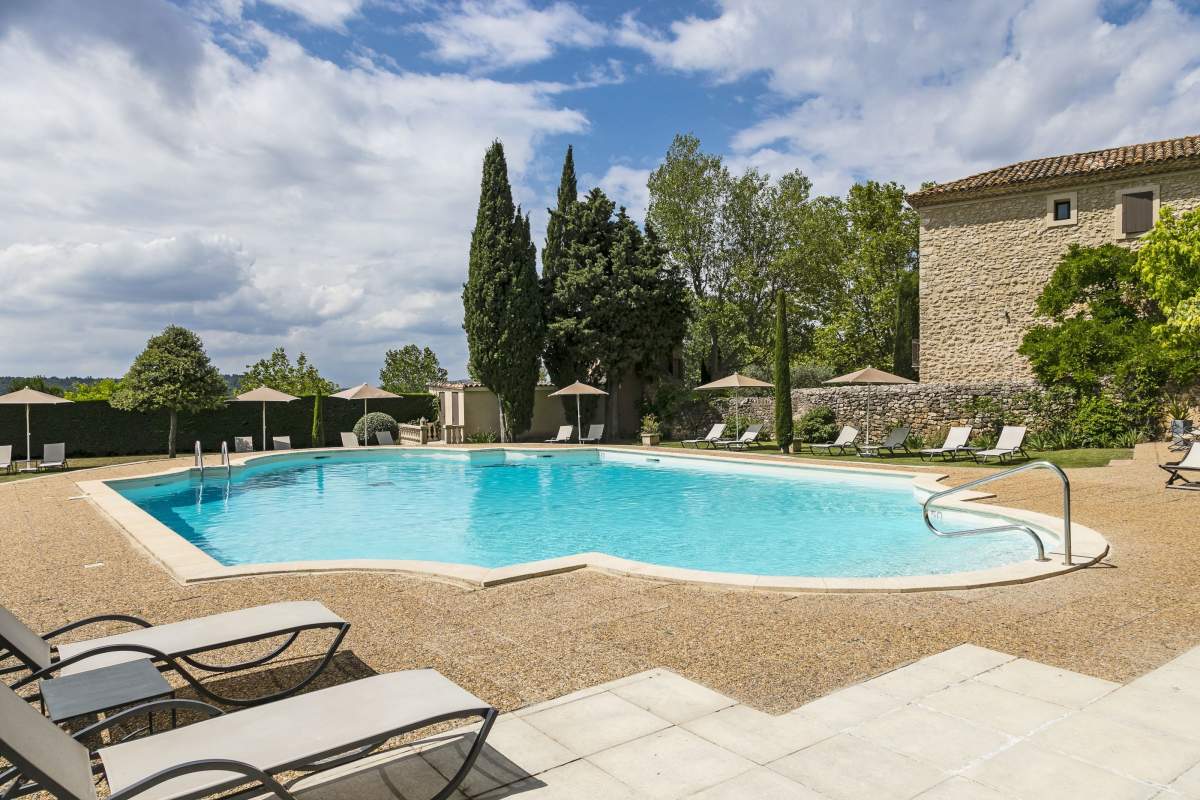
point(279, 373)
point(908, 323)
point(783, 376)
point(563, 356)
point(102, 389)
point(819, 424)
point(410, 369)
point(317, 437)
point(481, 437)
point(502, 304)
point(1169, 266)
point(809, 374)
point(37, 383)
point(1178, 406)
point(372, 423)
point(174, 374)
point(985, 413)
point(650, 425)
point(1099, 422)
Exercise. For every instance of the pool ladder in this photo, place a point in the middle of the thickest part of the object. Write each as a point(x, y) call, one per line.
point(224, 459)
point(1012, 526)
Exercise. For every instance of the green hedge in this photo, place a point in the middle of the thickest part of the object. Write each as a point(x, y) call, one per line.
point(94, 428)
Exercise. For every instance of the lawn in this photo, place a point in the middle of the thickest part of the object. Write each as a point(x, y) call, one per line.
point(79, 463)
point(1068, 459)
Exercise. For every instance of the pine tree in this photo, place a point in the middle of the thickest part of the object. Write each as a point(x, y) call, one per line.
point(502, 304)
point(783, 375)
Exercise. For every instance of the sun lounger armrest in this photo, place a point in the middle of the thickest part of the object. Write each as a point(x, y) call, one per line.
point(251, 773)
point(49, 671)
point(148, 708)
point(101, 618)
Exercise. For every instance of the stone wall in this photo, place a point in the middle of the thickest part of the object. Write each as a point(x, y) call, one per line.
point(928, 408)
point(984, 262)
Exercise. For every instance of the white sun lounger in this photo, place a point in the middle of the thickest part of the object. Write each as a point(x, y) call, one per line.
point(595, 434)
point(564, 435)
point(1007, 445)
point(714, 435)
point(6, 457)
point(328, 728)
point(171, 645)
point(748, 437)
point(956, 442)
point(349, 440)
point(54, 456)
point(843, 442)
point(281, 442)
point(384, 438)
point(1190, 464)
point(243, 444)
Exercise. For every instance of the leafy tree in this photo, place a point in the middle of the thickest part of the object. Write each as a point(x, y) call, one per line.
point(410, 369)
point(102, 389)
point(1169, 266)
point(278, 372)
point(37, 383)
point(172, 373)
point(783, 375)
point(502, 304)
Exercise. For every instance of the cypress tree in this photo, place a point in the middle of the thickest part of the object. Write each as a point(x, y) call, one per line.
point(908, 322)
point(502, 304)
point(783, 375)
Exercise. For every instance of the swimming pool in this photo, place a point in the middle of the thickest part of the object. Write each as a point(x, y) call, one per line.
point(493, 508)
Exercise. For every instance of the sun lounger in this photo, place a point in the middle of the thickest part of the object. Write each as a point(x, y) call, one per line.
point(564, 435)
point(281, 442)
point(896, 439)
point(749, 437)
point(54, 456)
point(843, 442)
point(384, 438)
point(714, 435)
point(595, 434)
point(1187, 466)
point(1007, 446)
point(956, 442)
point(349, 440)
point(6, 457)
point(171, 645)
point(329, 728)
point(243, 444)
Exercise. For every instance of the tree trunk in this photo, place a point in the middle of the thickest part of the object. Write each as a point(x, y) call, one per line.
point(714, 354)
point(171, 435)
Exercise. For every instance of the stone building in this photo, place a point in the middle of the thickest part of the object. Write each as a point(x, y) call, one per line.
point(989, 243)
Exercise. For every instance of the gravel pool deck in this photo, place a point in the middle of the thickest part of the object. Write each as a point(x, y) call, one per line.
point(530, 641)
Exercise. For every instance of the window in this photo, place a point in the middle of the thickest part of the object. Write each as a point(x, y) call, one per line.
point(1136, 210)
point(1062, 210)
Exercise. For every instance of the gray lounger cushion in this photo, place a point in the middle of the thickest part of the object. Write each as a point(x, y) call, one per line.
point(204, 633)
point(35, 744)
point(287, 733)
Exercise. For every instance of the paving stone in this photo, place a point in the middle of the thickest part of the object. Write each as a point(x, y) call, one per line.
point(967, 660)
point(757, 736)
point(912, 682)
point(961, 789)
point(673, 697)
point(671, 763)
point(1028, 772)
point(514, 750)
point(984, 704)
point(1120, 747)
point(595, 723)
point(1048, 683)
point(1188, 784)
point(575, 781)
point(846, 767)
point(941, 740)
point(402, 775)
point(1166, 712)
point(761, 784)
point(848, 707)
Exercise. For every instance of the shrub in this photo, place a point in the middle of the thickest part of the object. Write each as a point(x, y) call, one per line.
point(651, 425)
point(370, 424)
point(817, 425)
point(1099, 422)
point(481, 437)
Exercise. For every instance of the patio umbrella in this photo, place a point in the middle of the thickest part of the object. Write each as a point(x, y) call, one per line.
point(364, 392)
point(735, 381)
point(264, 395)
point(30, 397)
point(869, 377)
point(578, 389)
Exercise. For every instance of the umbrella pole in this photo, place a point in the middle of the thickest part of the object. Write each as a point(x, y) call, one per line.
point(737, 416)
point(28, 439)
point(264, 416)
point(364, 406)
point(578, 422)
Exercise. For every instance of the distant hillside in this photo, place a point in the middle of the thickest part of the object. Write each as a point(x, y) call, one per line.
point(70, 381)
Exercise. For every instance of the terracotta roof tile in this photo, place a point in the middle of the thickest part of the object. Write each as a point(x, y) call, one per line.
point(1151, 156)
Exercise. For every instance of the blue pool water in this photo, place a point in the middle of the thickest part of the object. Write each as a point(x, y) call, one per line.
point(494, 508)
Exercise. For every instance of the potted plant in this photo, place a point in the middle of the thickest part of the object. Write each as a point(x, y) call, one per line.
point(651, 430)
point(1178, 408)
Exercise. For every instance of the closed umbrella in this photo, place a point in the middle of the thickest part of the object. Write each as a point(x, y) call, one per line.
point(578, 389)
point(869, 377)
point(364, 392)
point(264, 395)
point(735, 381)
point(30, 397)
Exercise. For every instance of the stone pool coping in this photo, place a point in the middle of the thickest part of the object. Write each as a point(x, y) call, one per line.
point(188, 564)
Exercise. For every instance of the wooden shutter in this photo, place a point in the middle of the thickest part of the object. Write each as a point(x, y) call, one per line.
point(1137, 212)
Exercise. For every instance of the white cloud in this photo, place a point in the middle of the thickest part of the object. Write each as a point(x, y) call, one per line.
point(505, 33)
point(626, 186)
point(279, 200)
point(915, 91)
point(321, 13)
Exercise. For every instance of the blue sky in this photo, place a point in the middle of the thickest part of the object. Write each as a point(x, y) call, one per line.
point(304, 172)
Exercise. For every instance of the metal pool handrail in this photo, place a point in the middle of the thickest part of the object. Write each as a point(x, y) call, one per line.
point(1012, 526)
point(200, 458)
point(225, 459)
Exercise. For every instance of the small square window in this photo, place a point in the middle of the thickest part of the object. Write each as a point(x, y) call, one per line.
point(1062, 210)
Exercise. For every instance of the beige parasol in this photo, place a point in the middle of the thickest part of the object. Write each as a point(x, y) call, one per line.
point(364, 392)
point(736, 381)
point(30, 397)
point(264, 395)
point(869, 377)
point(578, 389)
